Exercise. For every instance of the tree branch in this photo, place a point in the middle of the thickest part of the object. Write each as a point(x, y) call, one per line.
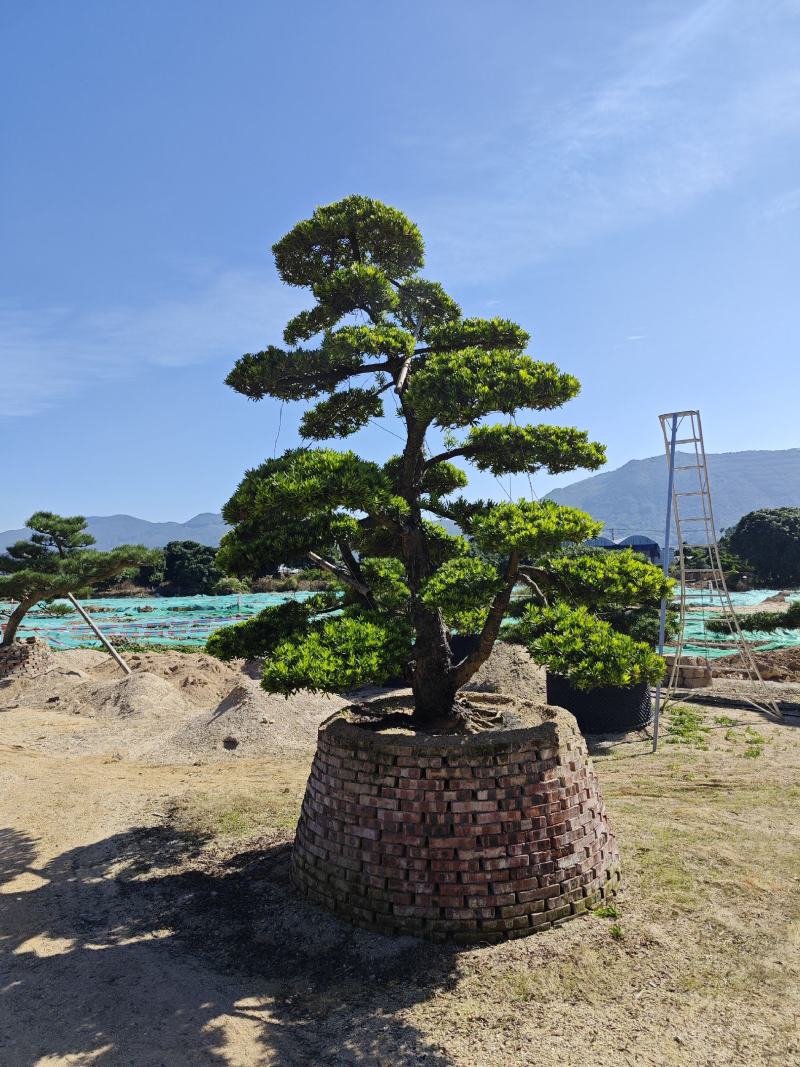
point(406, 364)
point(357, 574)
point(462, 450)
point(345, 576)
point(463, 671)
point(529, 581)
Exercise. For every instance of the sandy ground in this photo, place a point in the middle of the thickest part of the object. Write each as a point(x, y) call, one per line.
point(146, 916)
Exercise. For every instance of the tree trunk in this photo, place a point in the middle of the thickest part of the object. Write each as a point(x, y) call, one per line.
point(16, 617)
point(432, 681)
point(491, 628)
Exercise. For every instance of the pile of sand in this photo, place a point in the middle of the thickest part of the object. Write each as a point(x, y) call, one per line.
point(202, 679)
point(140, 696)
point(510, 671)
point(178, 707)
point(247, 723)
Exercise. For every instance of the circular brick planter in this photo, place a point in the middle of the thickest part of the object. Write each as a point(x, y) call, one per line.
point(474, 838)
point(25, 658)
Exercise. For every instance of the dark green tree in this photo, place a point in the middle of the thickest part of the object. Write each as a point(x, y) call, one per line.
point(769, 540)
point(56, 561)
point(387, 334)
point(190, 567)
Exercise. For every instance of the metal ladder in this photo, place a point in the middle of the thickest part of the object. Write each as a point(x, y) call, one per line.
point(690, 507)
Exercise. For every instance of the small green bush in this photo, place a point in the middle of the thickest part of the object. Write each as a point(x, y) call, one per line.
point(228, 585)
point(56, 611)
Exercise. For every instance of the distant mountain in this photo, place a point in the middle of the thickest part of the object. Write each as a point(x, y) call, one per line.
point(112, 530)
point(632, 499)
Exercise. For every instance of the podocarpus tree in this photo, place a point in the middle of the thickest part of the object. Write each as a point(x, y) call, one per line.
point(390, 338)
point(57, 561)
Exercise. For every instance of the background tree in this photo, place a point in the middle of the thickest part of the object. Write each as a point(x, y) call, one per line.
point(148, 576)
point(56, 561)
point(770, 542)
point(190, 567)
point(385, 333)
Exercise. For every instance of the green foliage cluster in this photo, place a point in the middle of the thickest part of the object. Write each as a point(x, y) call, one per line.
point(57, 610)
point(574, 643)
point(149, 576)
point(769, 540)
point(380, 329)
point(608, 580)
point(594, 617)
point(58, 560)
point(227, 585)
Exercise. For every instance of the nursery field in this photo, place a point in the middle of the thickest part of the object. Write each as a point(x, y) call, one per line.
point(147, 917)
point(148, 620)
point(190, 620)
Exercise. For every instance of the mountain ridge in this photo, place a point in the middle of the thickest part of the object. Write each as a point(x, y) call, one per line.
point(629, 499)
point(207, 527)
point(632, 498)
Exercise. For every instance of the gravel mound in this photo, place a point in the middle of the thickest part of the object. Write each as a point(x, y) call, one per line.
point(510, 671)
point(247, 723)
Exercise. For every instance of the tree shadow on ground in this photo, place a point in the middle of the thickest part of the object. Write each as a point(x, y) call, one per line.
point(153, 947)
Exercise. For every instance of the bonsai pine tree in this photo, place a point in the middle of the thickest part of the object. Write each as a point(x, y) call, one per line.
point(389, 339)
point(57, 561)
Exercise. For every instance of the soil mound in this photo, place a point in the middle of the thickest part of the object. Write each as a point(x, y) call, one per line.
point(142, 696)
point(202, 679)
point(247, 723)
point(776, 665)
point(510, 671)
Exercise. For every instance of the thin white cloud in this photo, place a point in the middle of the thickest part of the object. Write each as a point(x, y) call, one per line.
point(47, 355)
point(695, 102)
point(785, 203)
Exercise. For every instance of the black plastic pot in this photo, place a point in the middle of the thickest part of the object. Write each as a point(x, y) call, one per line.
point(610, 709)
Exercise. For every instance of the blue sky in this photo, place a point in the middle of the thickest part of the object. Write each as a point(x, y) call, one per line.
point(622, 178)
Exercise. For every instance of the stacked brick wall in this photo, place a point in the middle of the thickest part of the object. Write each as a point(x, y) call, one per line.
point(471, 839)
point(25, 658)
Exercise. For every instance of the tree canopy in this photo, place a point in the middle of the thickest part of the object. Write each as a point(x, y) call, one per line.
point(190, 568)
point(769, 540)
point(55, 561)
point(379, 338)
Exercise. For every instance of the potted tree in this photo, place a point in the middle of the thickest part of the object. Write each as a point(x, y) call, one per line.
point(592, 621)
point(419, 564)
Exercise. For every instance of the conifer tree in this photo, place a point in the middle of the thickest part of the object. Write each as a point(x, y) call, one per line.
point(57, 560)
point(389, 340)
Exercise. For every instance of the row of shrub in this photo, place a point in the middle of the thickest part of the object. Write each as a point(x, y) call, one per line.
point(762, 621)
